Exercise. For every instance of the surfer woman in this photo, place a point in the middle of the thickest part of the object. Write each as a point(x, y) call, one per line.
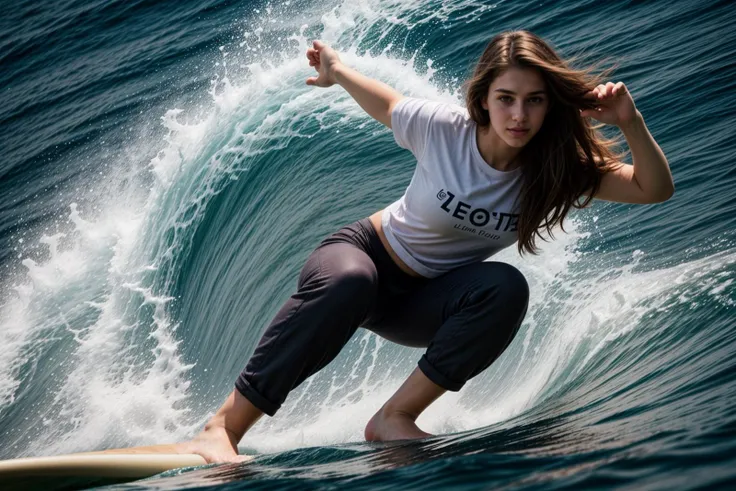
point(504, 170)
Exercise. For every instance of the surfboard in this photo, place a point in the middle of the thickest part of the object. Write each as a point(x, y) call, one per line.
point(81, 470)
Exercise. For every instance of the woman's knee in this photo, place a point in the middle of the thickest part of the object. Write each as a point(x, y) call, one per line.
point(348, 275)
point(510, 299)
point(515, 284)
point(354, 278)
point(504, 284)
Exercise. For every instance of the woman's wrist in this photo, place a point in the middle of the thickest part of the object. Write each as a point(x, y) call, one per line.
point(338, 72)
point(630, 126)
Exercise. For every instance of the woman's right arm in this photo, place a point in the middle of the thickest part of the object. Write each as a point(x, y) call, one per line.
point(376, 98)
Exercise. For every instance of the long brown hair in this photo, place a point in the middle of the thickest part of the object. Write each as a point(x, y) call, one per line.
point(568, 156)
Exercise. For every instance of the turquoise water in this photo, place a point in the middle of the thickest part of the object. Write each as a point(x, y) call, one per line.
point(166, 172)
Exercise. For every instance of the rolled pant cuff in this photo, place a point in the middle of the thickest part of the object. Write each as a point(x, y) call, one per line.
point(255, 397)
point(436, 377)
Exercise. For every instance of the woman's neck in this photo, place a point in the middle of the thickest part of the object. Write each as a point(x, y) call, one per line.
point(496, 152)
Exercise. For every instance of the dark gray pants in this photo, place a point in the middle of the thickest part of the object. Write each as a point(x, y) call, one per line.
point(465, 318)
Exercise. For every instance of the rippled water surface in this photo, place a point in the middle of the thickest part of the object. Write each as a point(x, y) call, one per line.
point(166, 171)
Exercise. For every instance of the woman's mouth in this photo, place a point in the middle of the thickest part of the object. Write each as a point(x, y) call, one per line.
point(518, 132)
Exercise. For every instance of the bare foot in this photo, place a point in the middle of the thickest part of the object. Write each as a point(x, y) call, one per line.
point(215, 444)
point(396, 425)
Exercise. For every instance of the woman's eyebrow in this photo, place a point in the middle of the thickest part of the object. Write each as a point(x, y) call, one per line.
point(507, 91)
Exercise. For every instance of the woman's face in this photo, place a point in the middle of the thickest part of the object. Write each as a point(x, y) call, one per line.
point(517, 101)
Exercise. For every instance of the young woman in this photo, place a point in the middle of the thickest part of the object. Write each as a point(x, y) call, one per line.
point(505, 169)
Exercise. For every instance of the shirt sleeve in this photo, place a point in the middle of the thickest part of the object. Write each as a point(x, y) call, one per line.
point(410, 122)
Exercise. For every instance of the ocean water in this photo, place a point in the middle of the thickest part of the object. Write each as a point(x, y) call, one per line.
point(165, 172)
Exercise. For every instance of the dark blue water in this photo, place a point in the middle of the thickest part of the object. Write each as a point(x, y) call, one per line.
point(166, 171)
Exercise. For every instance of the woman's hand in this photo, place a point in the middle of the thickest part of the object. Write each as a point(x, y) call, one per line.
point(376, 98)
point(324, 59)
point(614, 104)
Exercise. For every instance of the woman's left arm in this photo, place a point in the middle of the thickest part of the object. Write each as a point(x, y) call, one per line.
point(649, 180)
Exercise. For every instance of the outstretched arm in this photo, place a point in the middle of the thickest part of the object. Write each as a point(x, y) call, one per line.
point(376, 98)
point(649, 179)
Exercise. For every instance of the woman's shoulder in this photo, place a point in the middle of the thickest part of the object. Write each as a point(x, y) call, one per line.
point(456, 120)
point(438, 109)
point(417, 122)
point(452, 118)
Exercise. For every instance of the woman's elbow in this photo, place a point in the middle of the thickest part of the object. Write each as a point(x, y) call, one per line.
point(664, 195)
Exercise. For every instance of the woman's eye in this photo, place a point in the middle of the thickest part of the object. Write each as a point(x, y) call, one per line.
point(505, 98)
point(536, 100)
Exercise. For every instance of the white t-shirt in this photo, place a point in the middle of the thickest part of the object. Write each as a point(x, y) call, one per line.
point(457, 209)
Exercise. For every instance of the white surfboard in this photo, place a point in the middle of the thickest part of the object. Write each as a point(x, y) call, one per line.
point(76, 471)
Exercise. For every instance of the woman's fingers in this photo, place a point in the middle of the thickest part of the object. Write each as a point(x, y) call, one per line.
point(610, 89)
point(313, 57)
point(312, 53)
point(323, 59)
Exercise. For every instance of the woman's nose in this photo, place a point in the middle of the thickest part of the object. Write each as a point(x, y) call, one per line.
point(519, 113)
